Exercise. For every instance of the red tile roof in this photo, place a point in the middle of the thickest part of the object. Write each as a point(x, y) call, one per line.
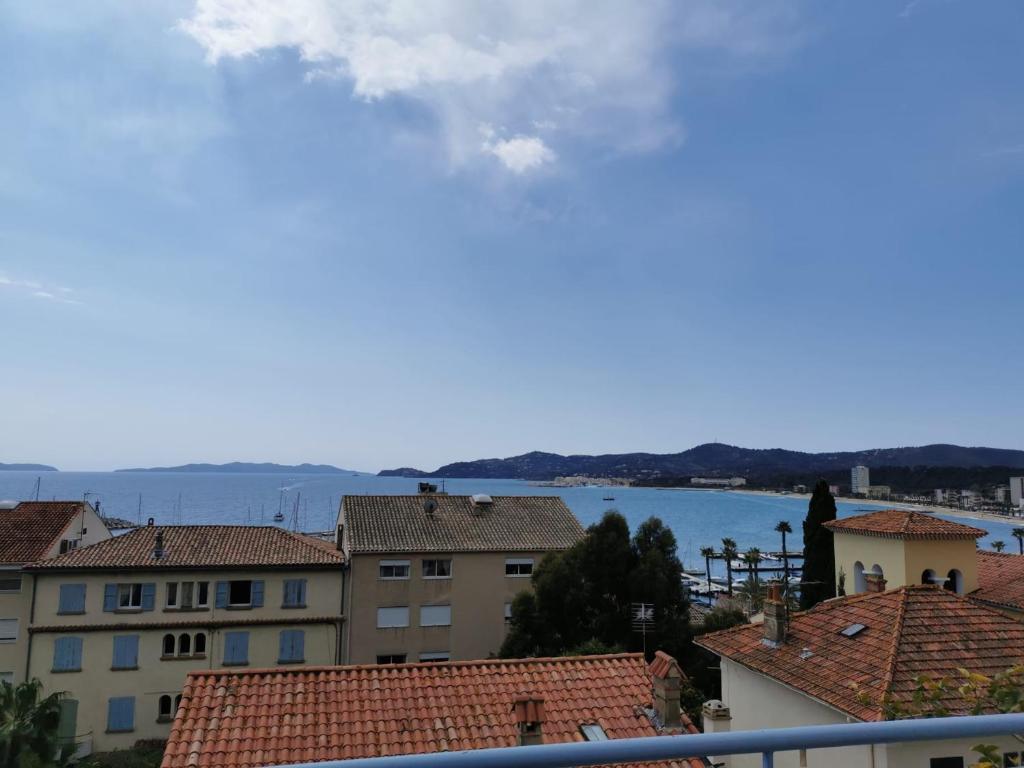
point(200, 546)
point(455, 524)
point(29, 530)
point(259, 717)
point(908, 632)
point(1000, 580)
point(904, 524)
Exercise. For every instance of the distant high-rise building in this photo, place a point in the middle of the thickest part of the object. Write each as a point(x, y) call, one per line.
point(860, 479)
point(1016, 491)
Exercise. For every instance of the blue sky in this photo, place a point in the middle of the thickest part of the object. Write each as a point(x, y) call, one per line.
point(381, 234)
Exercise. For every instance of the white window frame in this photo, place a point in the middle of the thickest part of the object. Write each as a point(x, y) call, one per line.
point(381, 564)
point(442, 620)
point(437, 656)
point(130, 589)
point(518, 561)
point(508, 612)
point(383, 623)
point(177, 595)
point(403, 656)
point(11, 573)
point(426, 560)
point(9, 624)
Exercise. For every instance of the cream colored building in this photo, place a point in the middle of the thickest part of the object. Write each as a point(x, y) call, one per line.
point(119, 624)
point(31, 531)
point(432, 577)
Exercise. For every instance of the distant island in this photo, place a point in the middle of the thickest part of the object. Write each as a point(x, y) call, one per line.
point(715, 459)
point(245, 467)
point(27, 468)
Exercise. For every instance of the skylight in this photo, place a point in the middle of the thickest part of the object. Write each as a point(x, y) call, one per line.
point(853, 630)
point(593, 732)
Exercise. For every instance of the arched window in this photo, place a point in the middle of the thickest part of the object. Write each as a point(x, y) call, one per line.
point(955, 581)
point(184, 644)
point(877, 570)
point(177, 702)
point(164, 707)
point(168, 645)
point(200, 644)
point(859, 583)
point(928, 577)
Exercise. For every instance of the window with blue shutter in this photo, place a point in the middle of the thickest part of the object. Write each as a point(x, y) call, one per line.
point(72, 598)
point(294, 593)
point(121, 714)
point(292, 646)
point(148, 597)
point(109, 598)
point(222, 594)
point(257, 594)
point(67, 654)
point(236, 648)
point(126, 652)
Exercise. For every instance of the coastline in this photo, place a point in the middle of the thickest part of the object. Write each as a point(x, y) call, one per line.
point(952, 512)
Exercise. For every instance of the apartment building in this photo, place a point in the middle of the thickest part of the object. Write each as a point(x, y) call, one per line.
point(432, 577)
point(860, 480)
point(119, 624)
point(31, 531)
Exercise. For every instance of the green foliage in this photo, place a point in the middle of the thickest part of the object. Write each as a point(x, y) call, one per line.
point(818, 578)
point(582, 597)
point(1018, 534)
point(721, 618)
point(593, 647)
point(998, 545)
point(143, 755)
point(29, 725)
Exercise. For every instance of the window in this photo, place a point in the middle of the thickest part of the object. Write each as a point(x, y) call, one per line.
point(593, 732)
point(236, 648)
point(188, 595)
point(8, 630)
point(168, 645)
point(177, 702)
point(126, 652)
point(436, 616)
point(437, 569)
point(294, 593)
point(393, 570)
point(508, 612)
point(292, 646)
point(67, 654)
point(163, 712)
point(72, 599)
point(239, 594)
point(860, 584)
point(172, 595)
point(7, 677)
point(946, 762)
point(393, 617)
point(440, 656)
point(10, 582)
point(928, 577)
point(391, 658)
point(955, 582)
point(184, 644)
point(68, 545)
point(121, 714)
point(519, 566)
point(199, 646)
point(129, 596)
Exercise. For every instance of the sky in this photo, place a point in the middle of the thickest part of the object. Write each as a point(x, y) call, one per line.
point(380, 234)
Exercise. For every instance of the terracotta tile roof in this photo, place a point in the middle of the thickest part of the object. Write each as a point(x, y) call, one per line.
point(899, 642)
point(1000, 580)
point(199, 546)
point(510, 523)
point(29, 530)
point(904, 524)
point(260, 717)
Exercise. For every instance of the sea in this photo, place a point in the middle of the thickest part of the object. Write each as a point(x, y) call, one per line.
point(310, 502)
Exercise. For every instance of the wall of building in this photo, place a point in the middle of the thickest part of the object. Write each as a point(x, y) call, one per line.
point(903, 562)
point(159, 674)
point(869, 551)
point(920, 754)
point(477, 592)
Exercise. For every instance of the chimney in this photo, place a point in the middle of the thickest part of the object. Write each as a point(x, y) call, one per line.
point(666, 684)
point(158, 546)
point(529, 714)
point(717, 719)
point(339, 541)
point(774, 617)
point(874, 582)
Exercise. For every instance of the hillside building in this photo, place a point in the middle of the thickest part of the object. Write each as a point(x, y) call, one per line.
point(860, 480)
point(1017, 492)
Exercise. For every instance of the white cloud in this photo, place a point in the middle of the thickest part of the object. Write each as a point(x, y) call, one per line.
point(599, 73)
point(37, 290)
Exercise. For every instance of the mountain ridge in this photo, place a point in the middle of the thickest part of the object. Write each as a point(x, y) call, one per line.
point(715, 459)
point(27, 468)
point(249, 467)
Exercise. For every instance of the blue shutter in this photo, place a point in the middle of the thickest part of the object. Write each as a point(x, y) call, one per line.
point(222, 594)
point(298, 645)
point(284, 646)
point(126, 651)
point(302, 591)
point(72, 598)
point(257, 594)
point(148, 597)
point(292, 645)
point(121, 713)
point(289, 592)
point(294, 592)
point(236, 647)
point(67, 654)
point(109, 597)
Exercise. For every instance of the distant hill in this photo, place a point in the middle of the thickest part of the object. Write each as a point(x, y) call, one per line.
point(716, 459)
point(244, 467)
point(27, 468)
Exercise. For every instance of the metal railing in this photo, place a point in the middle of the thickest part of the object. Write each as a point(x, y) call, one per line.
point(766, 742)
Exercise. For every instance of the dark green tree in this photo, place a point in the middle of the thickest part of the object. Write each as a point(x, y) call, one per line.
point(784, 528)
point(818, 578)
point(29, 724)
point(1018, 534)
point(729, 552)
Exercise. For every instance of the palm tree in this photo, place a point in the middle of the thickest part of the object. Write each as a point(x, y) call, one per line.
point(729, 551)
point(998, 546)
point(29, 725)
point(784, 527)
point(1018, 534)
point(707, 553)
point(753, 558)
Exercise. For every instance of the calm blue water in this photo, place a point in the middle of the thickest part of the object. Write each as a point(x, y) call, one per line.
point(699, 518)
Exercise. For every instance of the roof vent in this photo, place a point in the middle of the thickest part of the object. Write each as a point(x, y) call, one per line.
point(481, 499)
point(806, 653)
point(429, 507)
point(853, 630)
point(8, 504)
